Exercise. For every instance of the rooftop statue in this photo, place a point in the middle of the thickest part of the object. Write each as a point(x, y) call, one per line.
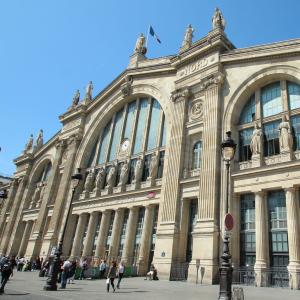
point(39, 140)
point(88, 91)
point(218, 20)
point(188, 37)
point(28, 146)
point(140, 44)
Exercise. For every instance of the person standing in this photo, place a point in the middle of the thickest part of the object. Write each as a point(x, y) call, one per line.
point(112, 274)
point(120, 273)
point(6, 272)
point(84, 267)
point(102, 268)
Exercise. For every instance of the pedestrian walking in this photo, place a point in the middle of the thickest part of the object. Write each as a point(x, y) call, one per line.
point(65, 273)
point(72, 272)
point(84, 267)
point(112, 274)
point(121, 271)
point(6, 268)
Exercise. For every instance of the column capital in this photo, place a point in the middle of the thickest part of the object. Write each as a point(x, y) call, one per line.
point(94, 213)
point(260, 193)
point(180, 94)
point(291, 189)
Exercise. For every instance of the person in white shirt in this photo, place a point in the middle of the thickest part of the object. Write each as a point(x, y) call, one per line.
point(121, 271)
point(65, 273)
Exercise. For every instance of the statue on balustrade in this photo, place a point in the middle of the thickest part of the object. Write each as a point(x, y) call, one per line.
point(285, 135)
point(76, 99)
point(99, 179)
point(39, 140)
point(89, 181)
point(138, 169)
point(139, 45)
point(36, 196)
point(256, 140)
point(124, 173)
point(153, 166)
point(88, 91)
point(111, 176)
point(188, 37)
point(218, 20)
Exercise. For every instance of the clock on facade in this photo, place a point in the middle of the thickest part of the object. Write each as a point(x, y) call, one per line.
point(125, 145)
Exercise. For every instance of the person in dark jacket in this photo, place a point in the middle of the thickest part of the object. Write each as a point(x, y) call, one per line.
point(112, 274)
point(6, 268)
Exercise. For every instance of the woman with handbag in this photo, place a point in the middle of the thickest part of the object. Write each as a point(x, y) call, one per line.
point(112, 274)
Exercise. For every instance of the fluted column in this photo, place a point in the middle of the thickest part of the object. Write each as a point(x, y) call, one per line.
point(15, 211)
point(100, 248)
point(130, 234)
point(292, 209)
point(70, 234)
point(146, 240)
point(88, 243)
point(25, 237)
point(76, 249)
point(261, 234)
point(116, 231)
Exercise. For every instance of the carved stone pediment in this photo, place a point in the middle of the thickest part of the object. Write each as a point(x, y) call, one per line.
point(180, 94)
point(126, 87)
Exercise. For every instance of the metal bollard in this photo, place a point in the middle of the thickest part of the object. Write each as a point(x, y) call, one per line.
point(238, 293)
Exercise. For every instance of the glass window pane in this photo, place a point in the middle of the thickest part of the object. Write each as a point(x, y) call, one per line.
point(197, 151)
point(271, 138)
point(130, 120)
point(104, 144)
point(116, 135)
point(164, 132)
point(248, 112)
point(140, 132)
point(154, 125)
point(293, 95)
point(271, 99)
point(244, 144)
point(295, 123)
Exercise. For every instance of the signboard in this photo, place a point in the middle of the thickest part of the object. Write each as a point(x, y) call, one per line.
point(53, 251)
point(229, 222)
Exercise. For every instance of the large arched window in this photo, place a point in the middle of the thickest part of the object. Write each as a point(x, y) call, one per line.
point(136, 130)
point(274, 100)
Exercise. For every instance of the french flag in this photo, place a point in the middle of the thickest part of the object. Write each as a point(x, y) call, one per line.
point(151, 31)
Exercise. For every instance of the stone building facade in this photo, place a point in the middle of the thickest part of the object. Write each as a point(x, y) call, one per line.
point(154, 180)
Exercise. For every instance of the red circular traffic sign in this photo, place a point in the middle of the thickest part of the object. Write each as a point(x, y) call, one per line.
point(229, 222)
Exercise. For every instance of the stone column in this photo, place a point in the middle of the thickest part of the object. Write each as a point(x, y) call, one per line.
point(168, 233)
point(116, 231)
point(69, 236)
point(146, 240)
point(130, 234)
point(10, 229)
point(35, 242)
point(100, 248)
point(63, 198)
point(88, 243)
point(7, 205)
point(25, 237)
point(77, 244)
point(261, 234)
point(292, 209)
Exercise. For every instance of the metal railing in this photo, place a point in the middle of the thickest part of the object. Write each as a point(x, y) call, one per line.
point(245, 276)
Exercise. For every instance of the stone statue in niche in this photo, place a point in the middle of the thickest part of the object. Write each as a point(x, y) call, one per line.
point(88, 91)
point(138, 169)
point(99, 179)
point(256, 140)
point(188, 37)
point(28, 146)
point(124, 173)
point(39, 140)
point(89, 181)
point(285, 135)
point(140, 44)
point(111, 176)
point(36, 196)
point(153, 166)
point(218, 20)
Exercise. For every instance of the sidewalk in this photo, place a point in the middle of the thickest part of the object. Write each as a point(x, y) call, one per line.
point(28, 286)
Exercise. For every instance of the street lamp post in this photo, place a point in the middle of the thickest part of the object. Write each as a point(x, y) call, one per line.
point(51, 283)
point(228, 150)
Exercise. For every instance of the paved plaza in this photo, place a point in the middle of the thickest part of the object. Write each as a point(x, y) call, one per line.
point(28, 286)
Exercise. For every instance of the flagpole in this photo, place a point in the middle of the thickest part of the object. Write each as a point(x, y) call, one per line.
point(147, 35)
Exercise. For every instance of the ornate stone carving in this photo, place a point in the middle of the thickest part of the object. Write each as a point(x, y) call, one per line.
point(188, 38)
point(138, 169)
point(89, 182)
point(285, 135)
point(29, 145)
point(39, 141)
point(111, 177)
point(36, 196)
point(218, 20)
point(180, 94)
point(153, 166)
point(140, 45)
point(124, 173)
point(126, 86)
point(99, 180)
point(256, 140)
point(88, 92)
point(196, 111)
point(76, 100)
point(215, 79)
point(74, 138)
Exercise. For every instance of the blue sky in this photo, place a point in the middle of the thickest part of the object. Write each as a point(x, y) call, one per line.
point(50, 48)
